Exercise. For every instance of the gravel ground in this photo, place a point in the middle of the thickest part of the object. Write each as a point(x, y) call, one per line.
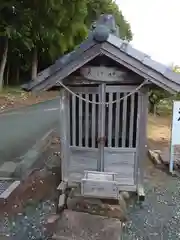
point(159, 216)
point(28, 215)
point(28, 225)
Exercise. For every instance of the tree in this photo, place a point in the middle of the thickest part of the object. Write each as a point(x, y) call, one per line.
point(155, 96)
point(176, 69)
point(53, 26)
point(13, 29)
point(7, 31)
point(33, 34)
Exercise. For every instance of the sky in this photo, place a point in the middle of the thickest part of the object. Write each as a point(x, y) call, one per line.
point(156, 27)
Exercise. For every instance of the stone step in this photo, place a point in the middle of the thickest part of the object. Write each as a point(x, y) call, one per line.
point(109, 208)
point(84, 226)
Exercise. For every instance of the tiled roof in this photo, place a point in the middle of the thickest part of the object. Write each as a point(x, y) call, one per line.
point(144, 58)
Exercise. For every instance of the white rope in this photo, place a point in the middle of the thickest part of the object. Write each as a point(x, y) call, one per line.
point(105, 103)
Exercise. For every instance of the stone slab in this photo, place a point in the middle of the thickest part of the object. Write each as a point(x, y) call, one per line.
point(7, 169)
point(10, 190)
point(154, 157)
point(84, 226)
point(4, 185)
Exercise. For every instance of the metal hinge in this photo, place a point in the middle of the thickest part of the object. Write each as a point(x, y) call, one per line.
point(101, 139)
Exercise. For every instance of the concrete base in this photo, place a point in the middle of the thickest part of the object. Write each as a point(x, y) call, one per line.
point(30, 159)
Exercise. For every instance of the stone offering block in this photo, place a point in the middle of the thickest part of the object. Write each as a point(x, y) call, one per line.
point(84, 226)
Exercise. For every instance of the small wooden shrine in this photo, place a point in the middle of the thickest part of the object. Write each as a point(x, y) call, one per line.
point(104, 87)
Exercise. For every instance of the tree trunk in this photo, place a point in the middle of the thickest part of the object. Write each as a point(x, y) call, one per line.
point(34, 64)
point(7, 76)
point(155, 110)
point(17, 76)
point(151, 107)
point(3, 63)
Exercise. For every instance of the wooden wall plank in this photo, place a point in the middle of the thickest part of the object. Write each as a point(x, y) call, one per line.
point(87, 120)
point(117, 121)
point(124, 133)
point(93, 125)
point(74, 116)
point(131, 130)
point(110, 118)
point(80, 120)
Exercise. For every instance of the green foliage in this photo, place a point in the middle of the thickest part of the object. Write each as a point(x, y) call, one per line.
point(51, 27)
point(176, 69)
point(155, 96)
point(160, 100)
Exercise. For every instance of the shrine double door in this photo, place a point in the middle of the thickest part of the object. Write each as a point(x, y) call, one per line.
point(103, 130)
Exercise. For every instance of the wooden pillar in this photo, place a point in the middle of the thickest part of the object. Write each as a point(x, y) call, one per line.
point(138, 124)
point(64, 134)
point(101, 140)
point(142, 142)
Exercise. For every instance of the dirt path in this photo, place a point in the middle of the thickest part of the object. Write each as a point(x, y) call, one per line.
point(158, 131)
